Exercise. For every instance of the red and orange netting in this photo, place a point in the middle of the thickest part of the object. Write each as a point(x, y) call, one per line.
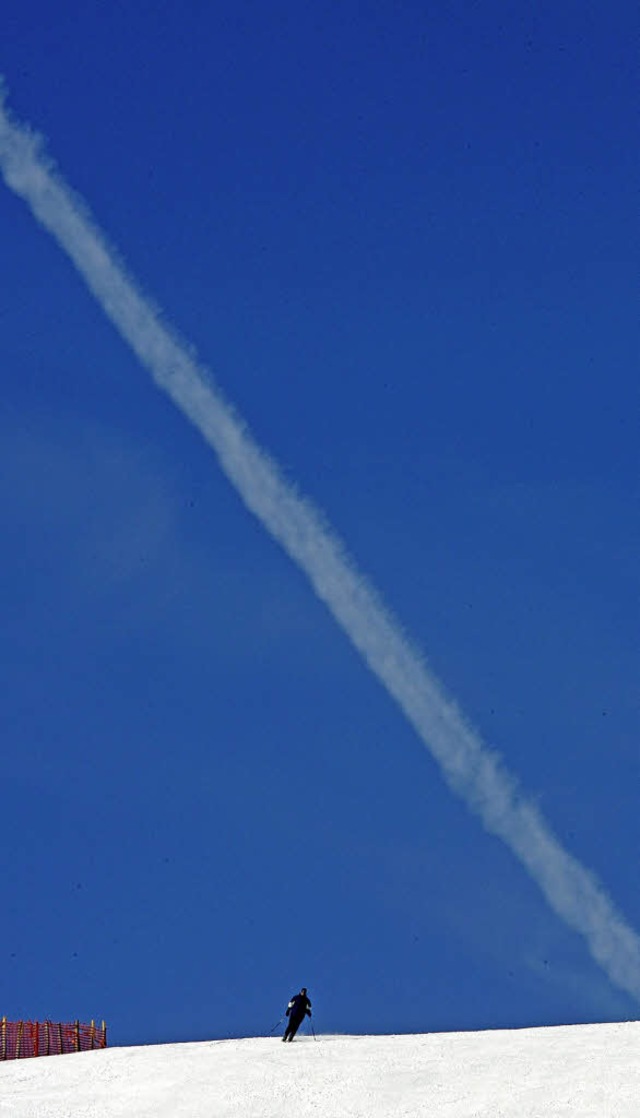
point(21, 1039)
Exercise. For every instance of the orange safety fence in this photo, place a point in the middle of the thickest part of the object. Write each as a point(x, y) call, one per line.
point(22, 1039)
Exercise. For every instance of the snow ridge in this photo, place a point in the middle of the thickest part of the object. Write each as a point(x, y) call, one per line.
point(573, 1071)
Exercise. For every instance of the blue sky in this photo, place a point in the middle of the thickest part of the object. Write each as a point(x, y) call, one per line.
point(404, 239)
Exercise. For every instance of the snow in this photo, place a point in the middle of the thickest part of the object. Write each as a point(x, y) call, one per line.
point(578, 1071)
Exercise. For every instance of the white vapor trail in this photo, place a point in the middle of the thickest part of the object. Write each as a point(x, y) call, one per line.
point(470, 768)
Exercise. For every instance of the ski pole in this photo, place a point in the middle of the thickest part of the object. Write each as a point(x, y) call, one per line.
point(313, 1033)
point(275, 1026)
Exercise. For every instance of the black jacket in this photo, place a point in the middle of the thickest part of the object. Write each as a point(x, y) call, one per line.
point(298, 1007)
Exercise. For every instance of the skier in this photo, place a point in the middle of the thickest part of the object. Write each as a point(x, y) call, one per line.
point(297, 1009)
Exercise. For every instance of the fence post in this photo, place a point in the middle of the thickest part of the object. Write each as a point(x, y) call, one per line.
point(104, 1034)
point(19, 1039)
point(4, 1038)
point(77, 1027)
point(60, 1039)
point(47, 1038)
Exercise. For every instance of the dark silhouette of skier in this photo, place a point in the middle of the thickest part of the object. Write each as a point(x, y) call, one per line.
point(298, 1008)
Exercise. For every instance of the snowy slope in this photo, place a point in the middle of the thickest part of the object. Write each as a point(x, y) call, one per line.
point(582, 1071)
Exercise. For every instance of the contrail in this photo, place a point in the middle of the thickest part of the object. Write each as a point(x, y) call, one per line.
point(469, 767)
